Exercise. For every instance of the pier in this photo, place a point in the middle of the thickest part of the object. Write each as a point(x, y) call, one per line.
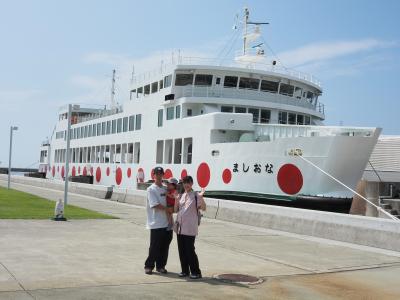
point(104, 258)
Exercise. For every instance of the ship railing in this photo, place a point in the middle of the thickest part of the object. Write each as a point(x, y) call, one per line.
point(100, 114)
point(248, 94)
point(277, 131)
point(264, 66)
point(166, 68)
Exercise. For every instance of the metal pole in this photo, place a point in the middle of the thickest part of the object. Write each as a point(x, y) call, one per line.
point(67, 156)
point(9, 158)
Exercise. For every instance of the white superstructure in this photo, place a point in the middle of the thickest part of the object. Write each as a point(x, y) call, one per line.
point(234, 128)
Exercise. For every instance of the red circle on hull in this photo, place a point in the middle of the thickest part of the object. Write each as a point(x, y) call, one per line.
point(140, 175)
point(226, 176)
point(184, 173)
point(129, 172)
point(108, 171)
point(73, 171)
point(203, 175)
point(118, 176)
point(290, 179)
point(98, 174)
point(168, 174)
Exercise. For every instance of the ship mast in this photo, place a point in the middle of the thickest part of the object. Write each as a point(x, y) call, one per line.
point(113, 90)
point(245, 23)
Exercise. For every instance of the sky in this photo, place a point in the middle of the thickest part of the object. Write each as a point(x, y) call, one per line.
point(58, 52)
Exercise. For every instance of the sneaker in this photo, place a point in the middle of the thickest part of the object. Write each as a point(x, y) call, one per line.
point(195, 276)
point(148, 271)
point(183, 274)
point(162, 270)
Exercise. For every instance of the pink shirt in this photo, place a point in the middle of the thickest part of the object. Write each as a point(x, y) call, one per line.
point(187, 214)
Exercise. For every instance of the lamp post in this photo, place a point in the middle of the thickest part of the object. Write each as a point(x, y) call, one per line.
point(12, 128)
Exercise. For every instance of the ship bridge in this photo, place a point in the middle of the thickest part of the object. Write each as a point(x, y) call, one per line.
point(271, 96)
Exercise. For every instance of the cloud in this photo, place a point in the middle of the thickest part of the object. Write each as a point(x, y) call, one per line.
point(324, 51)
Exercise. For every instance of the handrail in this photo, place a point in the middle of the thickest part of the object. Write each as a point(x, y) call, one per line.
point(218, 92)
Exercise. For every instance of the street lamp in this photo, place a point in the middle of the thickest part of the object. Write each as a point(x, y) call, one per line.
point(12, 128)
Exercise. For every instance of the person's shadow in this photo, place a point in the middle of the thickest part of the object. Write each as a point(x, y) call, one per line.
point(207, 279)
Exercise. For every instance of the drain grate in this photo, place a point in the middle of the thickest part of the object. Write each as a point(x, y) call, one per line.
point(238, 278)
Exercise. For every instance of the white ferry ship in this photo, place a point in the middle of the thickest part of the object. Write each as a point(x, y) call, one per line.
point(234, 128)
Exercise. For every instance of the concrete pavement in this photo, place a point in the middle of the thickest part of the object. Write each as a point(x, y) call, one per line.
point(103, 259)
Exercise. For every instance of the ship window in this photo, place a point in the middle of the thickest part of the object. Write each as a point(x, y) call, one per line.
point(94, 130)
point(102, 154)
point(240, 110)
point(203, 79)
point(132, 94)
point(187, 150)
point(114, 126)
point(168, 152)
point(103, 128)
point(81, 132)
point(282, 117)
point(255, 112)
point(107, 154)
point(85, 131)
point(178, 111)
point(307, 120)
point(117, 156)
point(292, 119)
point(154, 87)
point(80, 155)
point(123, 153)
point(269, 86)
point(249, 83)
point(178, 151)
point(310, 96)
point(90, 130)
point(108, 127)
point(139, 92)
point(147, 89)
point(112, 154)
point(98, 129)
point(265, 116)
point(218, 80)
point(167, 81)
point(161, 84)
point(170, 113)
point(138, 122)
point(131, 123)
point(227, 109)
point(119, 125)
point(189, 112)
point(286, 89)
point(125, 124)
point(230, 81)
point(88, 154)
point(160, 118)
point(159, 152)
point(129, 158)
point(297, 92)
point(183, 79)
point(137, 153)
point(300, 119)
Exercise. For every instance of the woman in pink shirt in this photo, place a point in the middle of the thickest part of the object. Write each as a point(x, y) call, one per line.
point(186, 228)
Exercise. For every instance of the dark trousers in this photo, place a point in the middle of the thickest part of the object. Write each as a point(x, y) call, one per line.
point(160, 239)
point(187, 254)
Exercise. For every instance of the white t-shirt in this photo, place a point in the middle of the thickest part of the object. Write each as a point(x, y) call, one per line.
point(156, 218)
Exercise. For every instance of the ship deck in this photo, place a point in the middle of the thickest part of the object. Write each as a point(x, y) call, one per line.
point(103, 259)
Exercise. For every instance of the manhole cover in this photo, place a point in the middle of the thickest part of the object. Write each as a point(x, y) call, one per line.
point(238, 278)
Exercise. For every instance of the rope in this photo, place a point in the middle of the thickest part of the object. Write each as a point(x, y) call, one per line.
point(350, 189)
